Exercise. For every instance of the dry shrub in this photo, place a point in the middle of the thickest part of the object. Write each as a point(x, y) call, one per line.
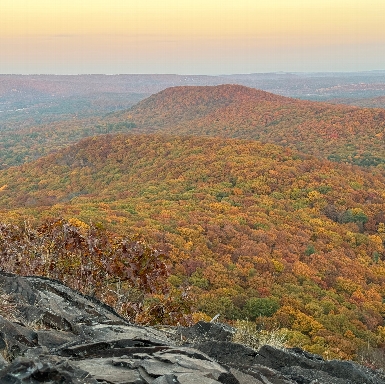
point(126, 273)
point(248, 335)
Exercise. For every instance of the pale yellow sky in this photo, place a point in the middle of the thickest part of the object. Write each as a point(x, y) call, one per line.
point(190, 36)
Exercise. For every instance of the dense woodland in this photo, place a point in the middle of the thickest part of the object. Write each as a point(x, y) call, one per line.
point(300, 238)
point(40, 114)
point(337, 132)
point(158, 207)
point(375, 102)
point(22, 145)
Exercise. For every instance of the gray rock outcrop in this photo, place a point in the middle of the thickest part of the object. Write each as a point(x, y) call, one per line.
point(50, 333)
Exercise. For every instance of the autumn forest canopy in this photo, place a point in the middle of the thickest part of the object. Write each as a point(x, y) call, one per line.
point(200, 201)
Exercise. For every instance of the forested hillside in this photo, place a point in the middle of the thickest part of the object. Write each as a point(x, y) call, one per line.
point(375, 102)
point(336, 132)
point(340, 133)
point(25, 144)
point(300, 239)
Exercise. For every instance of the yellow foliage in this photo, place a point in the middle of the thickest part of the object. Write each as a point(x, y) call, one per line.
point(189, 245)
point(381, 333)
point(346, 285)
point(104, 206)
point(278, 266)
point(373, 295)
point(317, 221)
point(351, 238)
point(84, 228)
point(357, 211)
point(358, 296)
point(306, 324)
point(219, 207)
point(302, 269)
point(349, 334)
point(314, 195)
point(285, 316)
point(200, 316)
point(376, 242)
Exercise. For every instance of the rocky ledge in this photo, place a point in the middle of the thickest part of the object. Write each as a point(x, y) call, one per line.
point(50, 333)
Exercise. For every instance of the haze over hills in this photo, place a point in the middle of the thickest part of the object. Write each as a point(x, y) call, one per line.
point(317, 86)
point(301, 239)
point(27, 101)
point(295, 84)
point(36, 99)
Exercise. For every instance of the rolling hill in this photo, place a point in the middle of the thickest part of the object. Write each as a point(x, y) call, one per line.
point(337, 132)
point(300, 239)
point(340, 133)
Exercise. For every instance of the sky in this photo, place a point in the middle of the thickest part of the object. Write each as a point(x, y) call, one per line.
point(209, 37)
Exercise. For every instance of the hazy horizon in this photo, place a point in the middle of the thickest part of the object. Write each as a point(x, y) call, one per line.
point(198, 37)
point(195, 74)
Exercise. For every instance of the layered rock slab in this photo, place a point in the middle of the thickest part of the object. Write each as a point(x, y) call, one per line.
point(55, 334)
point(50, 333)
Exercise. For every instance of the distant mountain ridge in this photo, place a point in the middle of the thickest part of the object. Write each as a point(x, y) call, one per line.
point(318, 86)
